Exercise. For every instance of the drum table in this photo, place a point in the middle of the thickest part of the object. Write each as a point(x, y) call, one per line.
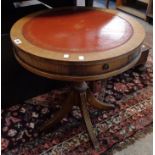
point(77, 44)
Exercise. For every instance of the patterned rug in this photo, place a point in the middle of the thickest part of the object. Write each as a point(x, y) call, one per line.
point(131, 92)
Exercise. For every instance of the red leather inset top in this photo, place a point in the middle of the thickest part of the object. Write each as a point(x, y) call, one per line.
point(77, 31)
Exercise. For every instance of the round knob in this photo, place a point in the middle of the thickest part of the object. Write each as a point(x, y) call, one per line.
point(105, 66)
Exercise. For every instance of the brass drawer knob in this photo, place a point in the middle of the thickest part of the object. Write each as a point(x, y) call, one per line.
point(105, 66)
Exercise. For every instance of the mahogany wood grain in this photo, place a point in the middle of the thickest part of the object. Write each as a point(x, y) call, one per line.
point(80, 77)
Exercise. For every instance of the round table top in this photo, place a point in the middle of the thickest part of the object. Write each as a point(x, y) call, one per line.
point(77, 34)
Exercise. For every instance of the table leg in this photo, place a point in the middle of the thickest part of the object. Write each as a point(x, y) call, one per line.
point(85, 113)
point(65, 109)
point(85, 96)
point(96, 103)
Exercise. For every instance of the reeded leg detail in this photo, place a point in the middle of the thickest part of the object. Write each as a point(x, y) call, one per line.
point(85, 113)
